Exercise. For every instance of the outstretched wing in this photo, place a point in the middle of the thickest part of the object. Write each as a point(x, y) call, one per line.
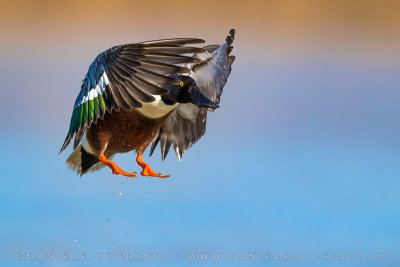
point(126, 76)
point(187, 123)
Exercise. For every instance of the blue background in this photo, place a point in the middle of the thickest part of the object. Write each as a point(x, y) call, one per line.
point(302, 157)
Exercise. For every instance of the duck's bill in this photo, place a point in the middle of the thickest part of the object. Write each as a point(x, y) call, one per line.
point(201, 100)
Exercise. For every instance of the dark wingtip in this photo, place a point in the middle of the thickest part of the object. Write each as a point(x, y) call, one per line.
point(66, 143)
point(232, 32)
point(79, 135)
point(155, 142)
point(177, 41)
point(229, 40)
point(229, 50)
point(166, 146)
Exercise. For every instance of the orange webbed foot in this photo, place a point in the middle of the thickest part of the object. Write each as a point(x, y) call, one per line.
point(114, 167)
point(147, 171)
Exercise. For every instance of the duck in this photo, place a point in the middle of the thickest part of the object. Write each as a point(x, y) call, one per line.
point(155, 92)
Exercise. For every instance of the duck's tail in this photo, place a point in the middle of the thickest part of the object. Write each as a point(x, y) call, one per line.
point(82, 160)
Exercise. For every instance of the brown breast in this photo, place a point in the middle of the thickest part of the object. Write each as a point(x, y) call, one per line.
point(122, 132)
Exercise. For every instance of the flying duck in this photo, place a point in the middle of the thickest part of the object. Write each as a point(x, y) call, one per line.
point(155, 92)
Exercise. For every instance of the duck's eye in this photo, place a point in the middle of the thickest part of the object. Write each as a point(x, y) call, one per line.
point(181, 83)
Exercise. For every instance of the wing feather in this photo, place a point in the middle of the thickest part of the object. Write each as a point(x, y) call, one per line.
point(187, 123)
point(126, 75)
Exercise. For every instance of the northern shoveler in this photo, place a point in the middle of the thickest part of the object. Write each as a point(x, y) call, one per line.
point(139, 93)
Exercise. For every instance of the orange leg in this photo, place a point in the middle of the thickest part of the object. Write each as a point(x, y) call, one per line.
point(147, 171)
point(114, 167)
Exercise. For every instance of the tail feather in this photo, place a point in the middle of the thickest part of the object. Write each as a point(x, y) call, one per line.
point(83, 161)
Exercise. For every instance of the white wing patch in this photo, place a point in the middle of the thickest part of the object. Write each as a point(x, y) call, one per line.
point(95, 92)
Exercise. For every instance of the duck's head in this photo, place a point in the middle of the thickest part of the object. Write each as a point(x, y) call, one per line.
point(187, 92)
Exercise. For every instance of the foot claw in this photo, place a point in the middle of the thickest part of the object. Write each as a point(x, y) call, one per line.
point(124, 173)
point(147, 171)
point(115, 168)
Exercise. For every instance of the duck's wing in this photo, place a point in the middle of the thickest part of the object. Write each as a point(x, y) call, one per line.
point(187, 123)
point(126, 76)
